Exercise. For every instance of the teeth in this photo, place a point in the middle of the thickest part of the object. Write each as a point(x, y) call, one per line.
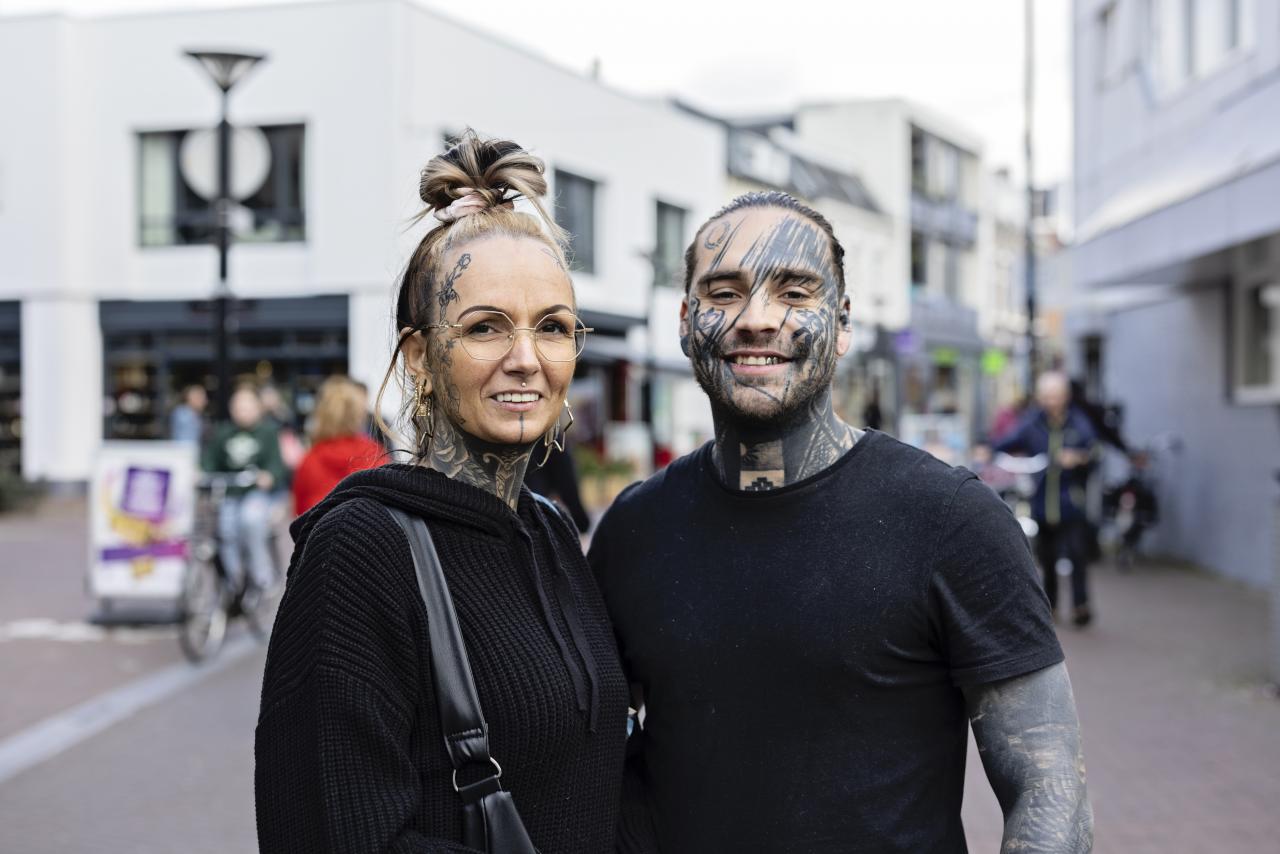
point(518, 397)
point(756, 360)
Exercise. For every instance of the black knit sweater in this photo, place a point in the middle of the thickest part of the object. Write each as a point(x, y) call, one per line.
point(350, 756)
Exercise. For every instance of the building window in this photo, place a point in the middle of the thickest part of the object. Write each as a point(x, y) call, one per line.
point(171, 213)
point(576, 214)
point(1257, 343)
point(951, 274)
point(919, 173)
point(919, 262)
point(1115, 40)
point(1187, 39)
point(668, 250)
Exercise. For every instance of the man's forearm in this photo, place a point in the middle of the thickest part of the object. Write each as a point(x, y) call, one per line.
point(1029, 739)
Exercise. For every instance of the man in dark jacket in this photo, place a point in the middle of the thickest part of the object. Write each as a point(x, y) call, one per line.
point(1065, 437)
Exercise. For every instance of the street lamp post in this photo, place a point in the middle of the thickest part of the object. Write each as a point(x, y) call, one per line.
point(226, 69)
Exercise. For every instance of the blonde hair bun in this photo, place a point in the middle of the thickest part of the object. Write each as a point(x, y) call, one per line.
point(498, 170)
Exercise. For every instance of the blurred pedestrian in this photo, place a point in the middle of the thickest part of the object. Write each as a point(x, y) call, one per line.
point(352, 749)
point(1064, 436)
point(1008, 417)
point(278, 411)
point(339, 445)
point(872, 417)
point(248, 442)
point(186, 421)
point(558, 480)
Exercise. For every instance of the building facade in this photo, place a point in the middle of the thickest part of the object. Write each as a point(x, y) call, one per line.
point(1176, 264)
point(108, 267)
point(952, 223)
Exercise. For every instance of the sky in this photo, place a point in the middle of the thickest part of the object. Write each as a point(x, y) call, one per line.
point(963, 58)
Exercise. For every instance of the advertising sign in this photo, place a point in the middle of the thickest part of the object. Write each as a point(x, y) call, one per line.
point(142, 509)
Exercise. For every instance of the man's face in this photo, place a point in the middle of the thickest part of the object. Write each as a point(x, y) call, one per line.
point(764, 320)
point(1053, 393)
point(246, 409)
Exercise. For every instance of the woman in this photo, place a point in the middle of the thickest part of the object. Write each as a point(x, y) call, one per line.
point(350, 755)
point(339, 445)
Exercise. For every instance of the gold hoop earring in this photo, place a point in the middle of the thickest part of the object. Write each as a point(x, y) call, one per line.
point(554, 438)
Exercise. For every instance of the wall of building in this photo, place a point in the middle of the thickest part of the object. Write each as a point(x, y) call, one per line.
point(1166, 363)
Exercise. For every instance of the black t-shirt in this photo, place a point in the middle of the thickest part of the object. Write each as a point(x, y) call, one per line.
point(802, 650)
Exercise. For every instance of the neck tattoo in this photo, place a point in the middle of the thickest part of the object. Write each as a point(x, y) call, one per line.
point(494, 468)
point(756, 458)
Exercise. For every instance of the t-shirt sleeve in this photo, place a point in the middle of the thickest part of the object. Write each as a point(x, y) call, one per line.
point(988, 611)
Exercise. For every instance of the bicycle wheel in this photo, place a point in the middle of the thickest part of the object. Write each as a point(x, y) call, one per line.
point(204, 611)
point(258, 605)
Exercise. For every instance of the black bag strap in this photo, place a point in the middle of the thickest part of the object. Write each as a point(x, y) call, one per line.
point(466, 735)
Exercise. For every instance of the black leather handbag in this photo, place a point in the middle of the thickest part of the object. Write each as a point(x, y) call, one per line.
point(490, 820)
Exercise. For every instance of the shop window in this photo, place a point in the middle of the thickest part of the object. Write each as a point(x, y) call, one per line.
point(919, 262)
point(668, 251)
point(171, 213)
point(576, 214)
point(1257, 343)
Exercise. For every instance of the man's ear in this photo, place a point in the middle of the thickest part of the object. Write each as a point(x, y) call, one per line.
point(844, 334)
point(413, 346)
point(684, 326)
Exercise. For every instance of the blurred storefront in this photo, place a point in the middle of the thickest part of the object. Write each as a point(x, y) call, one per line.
point(152, 350)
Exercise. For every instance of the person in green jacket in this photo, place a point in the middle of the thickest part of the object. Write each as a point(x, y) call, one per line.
point(248, 442)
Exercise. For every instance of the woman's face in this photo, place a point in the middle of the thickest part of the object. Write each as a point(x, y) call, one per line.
point(517, 397)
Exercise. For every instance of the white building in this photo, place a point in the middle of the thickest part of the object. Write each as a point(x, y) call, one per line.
point(1177, 255)
point(107, 270)
point(926, 172)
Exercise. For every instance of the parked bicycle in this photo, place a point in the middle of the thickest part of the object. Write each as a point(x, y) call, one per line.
point(211, 598)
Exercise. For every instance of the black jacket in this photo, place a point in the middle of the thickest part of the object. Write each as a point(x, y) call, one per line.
point(350, 756)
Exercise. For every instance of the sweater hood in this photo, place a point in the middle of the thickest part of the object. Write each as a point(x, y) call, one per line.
point(421, 492)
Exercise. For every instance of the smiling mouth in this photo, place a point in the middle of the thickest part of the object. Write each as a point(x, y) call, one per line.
point(756, 361)
point(518, 397)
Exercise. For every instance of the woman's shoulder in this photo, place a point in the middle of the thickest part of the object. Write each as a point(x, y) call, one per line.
point(355, 551)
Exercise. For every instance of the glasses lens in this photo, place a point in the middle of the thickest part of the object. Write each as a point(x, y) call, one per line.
point(559, 337)
point(487, 336)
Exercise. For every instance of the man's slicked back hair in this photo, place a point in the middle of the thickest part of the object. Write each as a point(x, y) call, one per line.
point(768, 199)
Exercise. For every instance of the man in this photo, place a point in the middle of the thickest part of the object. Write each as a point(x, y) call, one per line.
point(1064, 436)
point(249, 442)
point(813, 614)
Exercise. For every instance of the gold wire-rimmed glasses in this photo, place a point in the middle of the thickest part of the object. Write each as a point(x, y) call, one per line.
point(490, 335)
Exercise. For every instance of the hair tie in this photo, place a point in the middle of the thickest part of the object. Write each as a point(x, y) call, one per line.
point(471, 201)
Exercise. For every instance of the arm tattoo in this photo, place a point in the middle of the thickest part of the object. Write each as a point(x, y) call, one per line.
point(1029, 739)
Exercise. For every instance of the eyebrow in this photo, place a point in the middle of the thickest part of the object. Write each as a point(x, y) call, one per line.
point(710, 278)
point(798, 275)
point(493, 308)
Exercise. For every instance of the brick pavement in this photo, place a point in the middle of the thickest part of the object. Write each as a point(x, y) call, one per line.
point(1181, 733)
point(1182, 740)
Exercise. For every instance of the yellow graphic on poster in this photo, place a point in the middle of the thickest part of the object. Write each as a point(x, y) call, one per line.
point(143, 505)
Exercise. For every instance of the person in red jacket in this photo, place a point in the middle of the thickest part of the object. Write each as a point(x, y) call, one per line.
point(339, 445)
